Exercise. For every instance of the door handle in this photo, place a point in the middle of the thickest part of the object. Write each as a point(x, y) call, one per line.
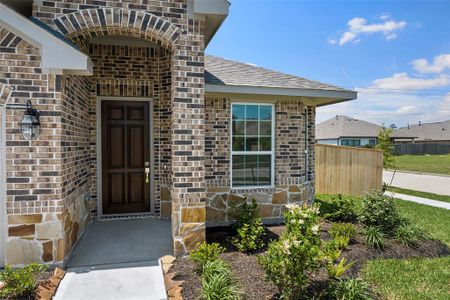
point(147, 172)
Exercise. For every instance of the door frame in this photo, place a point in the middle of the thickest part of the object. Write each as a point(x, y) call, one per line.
point(99, 152)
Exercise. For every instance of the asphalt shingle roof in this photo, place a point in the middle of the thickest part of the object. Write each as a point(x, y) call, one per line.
point(222, 71)
point(437, 131)
point(344, 126)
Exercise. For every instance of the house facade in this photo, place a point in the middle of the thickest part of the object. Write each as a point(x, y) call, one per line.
point(136, 121)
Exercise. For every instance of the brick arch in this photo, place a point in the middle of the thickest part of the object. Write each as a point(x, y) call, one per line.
point(5, 91)
point(82, 24)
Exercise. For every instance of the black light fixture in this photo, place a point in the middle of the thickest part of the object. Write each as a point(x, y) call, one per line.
point(30, 125)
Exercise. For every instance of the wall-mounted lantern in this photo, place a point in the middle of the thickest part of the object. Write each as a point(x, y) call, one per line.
point(30, 125)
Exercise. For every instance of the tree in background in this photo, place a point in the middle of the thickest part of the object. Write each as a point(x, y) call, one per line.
point(384, 143)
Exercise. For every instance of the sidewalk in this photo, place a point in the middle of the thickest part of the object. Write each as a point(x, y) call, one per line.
point(425, 201)
point(419, 182)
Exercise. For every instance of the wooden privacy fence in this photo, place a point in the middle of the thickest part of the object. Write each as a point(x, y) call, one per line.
point(422, 148)
point(348, 170)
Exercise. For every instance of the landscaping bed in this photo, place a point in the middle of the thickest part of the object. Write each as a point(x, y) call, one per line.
point(251, 275)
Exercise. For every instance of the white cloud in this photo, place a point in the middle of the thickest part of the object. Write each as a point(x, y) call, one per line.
point(439, 64)
point(332, 41)
point(359, 26)
point(408, 110)
point(402, 81)
point(444, 108)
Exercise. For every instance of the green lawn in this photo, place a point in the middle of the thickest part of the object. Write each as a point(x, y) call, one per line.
point(419, 194)
point(439, 164)
point(411, 279)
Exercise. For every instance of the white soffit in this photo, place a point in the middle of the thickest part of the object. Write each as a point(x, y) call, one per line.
point(214, 12)
point(58, 57)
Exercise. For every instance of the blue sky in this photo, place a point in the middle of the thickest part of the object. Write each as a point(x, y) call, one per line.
point(396, 54)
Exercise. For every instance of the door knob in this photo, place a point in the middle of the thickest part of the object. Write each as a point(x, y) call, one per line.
point(147, 172)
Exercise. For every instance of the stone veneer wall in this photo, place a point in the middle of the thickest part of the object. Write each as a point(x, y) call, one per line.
point(294, 181)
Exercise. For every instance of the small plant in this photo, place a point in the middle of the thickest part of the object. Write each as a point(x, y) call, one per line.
point(205, 253)
point(379, 210)
point(342, 210)
point(290, 261)
point(349, 289)
point(342, 241)
point(343, 229)
point(374, 237)
point(337, 270)
point(249, 237)
point(218, 282)
point(20, 282)
point(408, 234)
point(245, 213)
point(250, 230)
point(385, 144)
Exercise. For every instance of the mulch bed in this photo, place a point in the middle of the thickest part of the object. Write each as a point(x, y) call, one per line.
point(251, 275)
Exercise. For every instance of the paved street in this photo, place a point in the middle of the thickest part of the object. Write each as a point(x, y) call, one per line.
point(419, 182)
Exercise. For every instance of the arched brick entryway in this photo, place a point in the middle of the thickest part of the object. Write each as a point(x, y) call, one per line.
point(184, 185)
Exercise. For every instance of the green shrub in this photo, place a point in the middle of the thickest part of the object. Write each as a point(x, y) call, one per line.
point(408, 235)
point(343, 229)
point(349, 289)
point(374, 237)
point(290, 261)
point(250, 230)
point(245, 213)
point(218, 282)
point(249, 237)
point(342, 209)
point(379, 210)
point(205, 253)
point(20, 282)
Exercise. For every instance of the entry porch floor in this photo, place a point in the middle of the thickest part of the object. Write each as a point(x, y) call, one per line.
point(118, 259)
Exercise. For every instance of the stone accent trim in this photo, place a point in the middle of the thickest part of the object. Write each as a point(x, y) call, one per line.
point(5, 91)
point(86, 23)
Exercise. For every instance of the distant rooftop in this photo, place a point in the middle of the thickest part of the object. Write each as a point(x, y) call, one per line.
point(342, 126)
point(437, 131)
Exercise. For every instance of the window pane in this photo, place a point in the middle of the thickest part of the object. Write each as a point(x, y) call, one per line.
point(264, 162)
point(238, 170)
point(238, 128)
point(251, 128)
point(251, 144)
point(265, 128)
point(265, 143)
point(265, 112)
point(252, 112)
point(238, 143)
point(251, 170)
point(238, 112)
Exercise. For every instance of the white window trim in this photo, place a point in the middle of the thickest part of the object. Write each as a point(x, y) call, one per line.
point(271, 153)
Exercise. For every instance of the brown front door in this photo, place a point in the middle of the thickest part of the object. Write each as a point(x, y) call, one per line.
point(125, 154)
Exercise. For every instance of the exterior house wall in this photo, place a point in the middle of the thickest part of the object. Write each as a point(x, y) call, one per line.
point(294, 180)
point(328, 142)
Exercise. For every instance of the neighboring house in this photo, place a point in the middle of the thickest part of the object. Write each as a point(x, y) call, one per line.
point(136, 121)
point(346, 131)
point(435, 133)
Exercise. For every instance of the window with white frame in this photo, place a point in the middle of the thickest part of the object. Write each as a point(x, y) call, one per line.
point(252, 145)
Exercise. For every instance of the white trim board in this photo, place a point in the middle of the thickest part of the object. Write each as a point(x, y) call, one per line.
point(99, 152)
point(3, 214)
point(58, 57)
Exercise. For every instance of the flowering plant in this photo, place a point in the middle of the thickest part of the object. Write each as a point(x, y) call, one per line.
point(290, 261)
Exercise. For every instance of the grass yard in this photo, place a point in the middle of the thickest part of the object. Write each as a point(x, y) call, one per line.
point(418, 278)
point(419, 194)
point(412, 279)
point(438, 164)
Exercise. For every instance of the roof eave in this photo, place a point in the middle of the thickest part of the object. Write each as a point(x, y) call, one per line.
point(214, 13)
point(314, 97)
point(57, 56)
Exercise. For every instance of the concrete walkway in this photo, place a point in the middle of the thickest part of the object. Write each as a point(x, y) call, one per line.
point(118, 260)
point(419, 182)
point(425, 201)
